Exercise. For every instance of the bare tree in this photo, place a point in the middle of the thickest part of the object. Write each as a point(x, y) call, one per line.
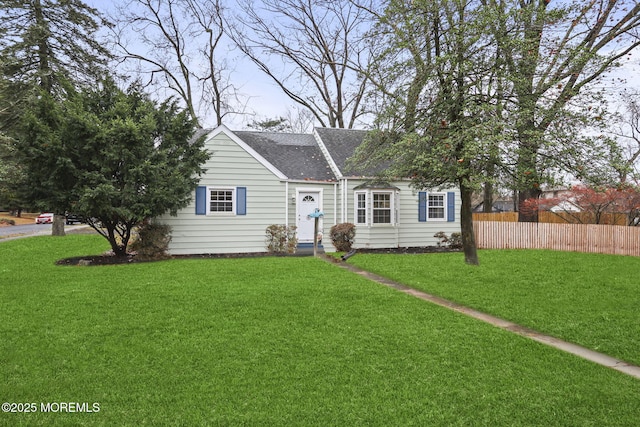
point(176, 45)
point(300, 119)
point(627, 134)
point(555, 53)
point(296, 120)
point(310, 49)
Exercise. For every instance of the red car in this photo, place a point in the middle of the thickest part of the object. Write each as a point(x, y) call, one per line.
point(45, 218)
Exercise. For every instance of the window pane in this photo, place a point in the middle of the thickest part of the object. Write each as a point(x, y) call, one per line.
point(436, 200)
point(436, 213)
point(381, 208)
point(382, 216)
point(221, 201)
point(361, 208)
point(436, 206)
point(362, 201)
point(382, 201)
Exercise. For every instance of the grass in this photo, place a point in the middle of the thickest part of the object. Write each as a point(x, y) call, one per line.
point(270, 341)
point(589, 299)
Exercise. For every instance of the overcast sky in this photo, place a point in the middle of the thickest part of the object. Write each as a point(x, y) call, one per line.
point(261, 98)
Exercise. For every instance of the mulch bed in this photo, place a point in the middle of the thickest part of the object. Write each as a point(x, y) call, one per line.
point(411, 250)
point(108, 259)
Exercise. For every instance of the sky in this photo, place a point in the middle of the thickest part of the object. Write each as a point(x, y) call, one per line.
point(261, 98)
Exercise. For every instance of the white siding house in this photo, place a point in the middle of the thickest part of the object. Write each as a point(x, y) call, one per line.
point(256, 179)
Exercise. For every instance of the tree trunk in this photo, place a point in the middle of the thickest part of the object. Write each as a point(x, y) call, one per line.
point(527, 168)
point(529, 215)
point(466, 227)
point(44, 67)
point(57, 228)
point(487, 199)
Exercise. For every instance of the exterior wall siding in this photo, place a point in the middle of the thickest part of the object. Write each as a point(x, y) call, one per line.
point(417, 234)
point(408, 232)
point(226, 233)
point(270, 200)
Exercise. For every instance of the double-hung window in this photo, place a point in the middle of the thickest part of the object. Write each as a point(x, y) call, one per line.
point(221, 200)
point(373, 205)
point(381, 208)
point(361, 208)
point(436, 206)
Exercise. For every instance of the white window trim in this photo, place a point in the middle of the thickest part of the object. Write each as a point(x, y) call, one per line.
point(369, 208)
point(444, 200)
point(356, 208)
point(233, 201)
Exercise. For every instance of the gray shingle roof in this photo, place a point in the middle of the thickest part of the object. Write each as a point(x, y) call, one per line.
point(341, 144)
point(295, 155)
point(299, 156)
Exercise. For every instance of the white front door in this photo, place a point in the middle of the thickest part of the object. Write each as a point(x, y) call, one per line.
point(308, 202)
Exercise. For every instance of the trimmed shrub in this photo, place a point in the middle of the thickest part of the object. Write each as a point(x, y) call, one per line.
point(152, 242)
point(443, 240)
point(281, 239)
point(343, 236)
point(453, 242)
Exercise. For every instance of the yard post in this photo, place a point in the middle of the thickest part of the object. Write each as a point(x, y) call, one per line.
point(316, 216)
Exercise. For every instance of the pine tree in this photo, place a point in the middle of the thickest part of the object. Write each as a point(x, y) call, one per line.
point(46, 46)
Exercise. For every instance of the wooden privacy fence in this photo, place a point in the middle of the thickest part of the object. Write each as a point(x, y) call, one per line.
point(582, 218)
point(496, 216)
point(556, 217)
point(604, 239)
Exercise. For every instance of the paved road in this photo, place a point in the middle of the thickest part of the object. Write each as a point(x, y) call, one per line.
point(30, 230)
point(25, 229)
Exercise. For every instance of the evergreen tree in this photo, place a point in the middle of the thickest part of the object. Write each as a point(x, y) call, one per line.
point(46, 46)
point(116, 157)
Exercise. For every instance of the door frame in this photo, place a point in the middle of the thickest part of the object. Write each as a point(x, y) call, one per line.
point(304, 190)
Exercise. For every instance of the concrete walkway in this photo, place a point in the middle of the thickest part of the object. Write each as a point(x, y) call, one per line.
point(585, 353)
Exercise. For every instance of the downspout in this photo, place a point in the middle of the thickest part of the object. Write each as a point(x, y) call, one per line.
point(345, 186)
point(335, 203)
point(286, 203)
point(341, 200)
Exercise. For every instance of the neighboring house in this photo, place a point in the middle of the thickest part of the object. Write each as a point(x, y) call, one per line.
point(256, 179)
point(565, 206)
point(564, 197)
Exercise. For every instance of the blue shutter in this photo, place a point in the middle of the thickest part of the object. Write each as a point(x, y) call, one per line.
point(241, 201)
point(451, 206)
point(422, 206)
point(201, 200)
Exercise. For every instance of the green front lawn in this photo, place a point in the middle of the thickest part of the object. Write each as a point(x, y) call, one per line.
point(589, 299)
point(270, 341)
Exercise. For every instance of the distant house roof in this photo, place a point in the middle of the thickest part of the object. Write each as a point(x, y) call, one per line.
point(298, 156)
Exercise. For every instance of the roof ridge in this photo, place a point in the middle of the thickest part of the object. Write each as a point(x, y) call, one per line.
point(270, 132)
point(340, 129)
